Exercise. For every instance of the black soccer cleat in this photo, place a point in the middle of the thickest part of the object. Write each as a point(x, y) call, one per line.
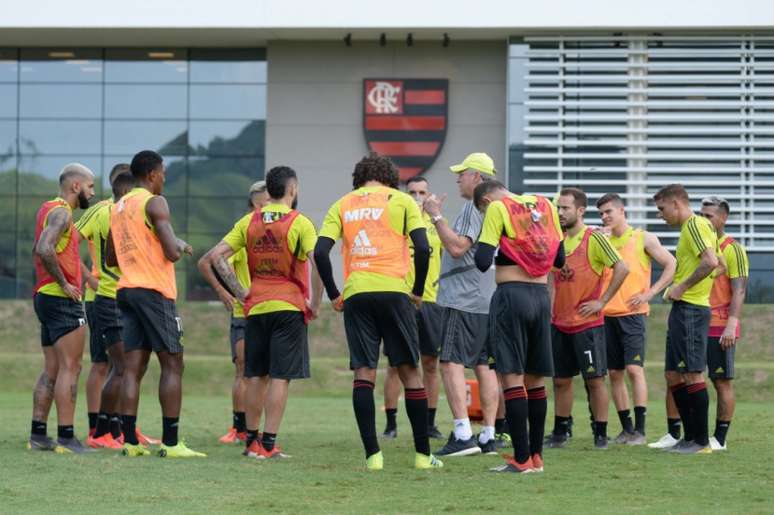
point(554, 441)
point(433, 432)
point(390, 433)
point(455, 447)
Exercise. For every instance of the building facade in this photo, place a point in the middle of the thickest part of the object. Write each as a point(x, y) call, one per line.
point(603, 96)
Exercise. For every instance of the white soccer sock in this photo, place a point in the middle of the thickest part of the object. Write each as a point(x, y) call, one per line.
point(462, 430)
point(487, 433)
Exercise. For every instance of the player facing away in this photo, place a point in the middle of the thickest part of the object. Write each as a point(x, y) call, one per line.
point(57, 301)
point(689, 317)
point(726, 300)
point(374, 222)
point(279, 242)
point(238, 261)
point(526, 229)
point(627, 311)
point(464, 293)
point(429, 325)
point(578, 333)
point(107, 321)
point(144, 246)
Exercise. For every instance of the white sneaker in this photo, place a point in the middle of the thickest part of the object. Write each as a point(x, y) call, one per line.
point(715, 445)
point(665, 442)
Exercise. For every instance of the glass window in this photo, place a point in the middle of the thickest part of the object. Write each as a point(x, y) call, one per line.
point(61, 65)
point(215, 138)
point(228, 65)
point(216, 216)
point(146, 65)
point(7, 265)
point(7, 139)
point(178, 211)
point(40, 174)
point(223, 176)
point(60, 137)
point(176, 176)
point(9, 66)
point(163, 101)
point(129, 137)
point(7, 211)
point(226, 102)
point(60, 101)
point(8, 100)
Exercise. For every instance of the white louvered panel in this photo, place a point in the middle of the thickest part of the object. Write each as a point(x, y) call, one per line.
point(631, 113)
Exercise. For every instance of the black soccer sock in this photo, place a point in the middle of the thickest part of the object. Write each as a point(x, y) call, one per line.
point(416, 409)
point(640, 412)
point(252, 435)
point(169, 430)
point(680, 394)
point(721, 430)
point(517, 413)
point(240, 421)
point(65, 432)
point(699, 401)
point(626, 420)
point(268, 440)
point(234, 419)
point(115, 425)
point(570, 423)
point(537, 404)
point(673, 427)
point(600, 429)
point(499, 425)
point(561, 426)
point(39, 428)
point(391, 418)
point(130, 432)
point(93, 421)
point(103, 425)
point(431, 417)
point(365, 414)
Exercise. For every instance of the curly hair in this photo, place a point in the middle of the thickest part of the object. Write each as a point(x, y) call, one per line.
point(375, 167)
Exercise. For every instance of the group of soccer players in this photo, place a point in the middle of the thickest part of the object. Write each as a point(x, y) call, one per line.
point(517, 289)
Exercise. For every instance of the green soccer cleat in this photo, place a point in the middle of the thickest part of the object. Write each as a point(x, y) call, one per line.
point(375, 461)
point(134, 451)
point(423, 462)
point(179, 451)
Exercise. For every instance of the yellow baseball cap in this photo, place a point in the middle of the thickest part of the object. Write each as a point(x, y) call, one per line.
point(478, 161)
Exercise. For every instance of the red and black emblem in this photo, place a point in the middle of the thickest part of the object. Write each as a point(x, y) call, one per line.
point(406, 120)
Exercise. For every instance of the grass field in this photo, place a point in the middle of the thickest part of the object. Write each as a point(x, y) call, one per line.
point(326, 474)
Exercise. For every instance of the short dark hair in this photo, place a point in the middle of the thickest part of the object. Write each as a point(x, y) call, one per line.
point(122, 183)
point(277, 180)
point(672, 191)
point(484, 188)
point(610, 197)
point(145, 162)
point(375, 167)
point(119, 169)
point(718, 202)
point(417, 178)
point(579, 197)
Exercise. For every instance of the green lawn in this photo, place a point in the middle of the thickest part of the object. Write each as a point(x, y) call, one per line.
point(326, 474)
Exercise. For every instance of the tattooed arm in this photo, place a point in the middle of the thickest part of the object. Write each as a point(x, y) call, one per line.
point(45, 248)
point(216, 261)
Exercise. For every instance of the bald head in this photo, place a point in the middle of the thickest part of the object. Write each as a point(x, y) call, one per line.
point(74, 172)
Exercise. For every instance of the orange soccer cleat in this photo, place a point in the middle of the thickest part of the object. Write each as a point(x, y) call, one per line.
point(105, 441)
point(145, 439)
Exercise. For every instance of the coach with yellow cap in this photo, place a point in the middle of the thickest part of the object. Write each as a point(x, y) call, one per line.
point(464, 294)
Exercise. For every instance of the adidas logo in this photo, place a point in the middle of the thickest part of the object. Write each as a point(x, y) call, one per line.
point(363, 213)
point(719, 370)
point(362, 246)
point(590, 370)
point(637, 358)
point(267, 243)
point(681, 364)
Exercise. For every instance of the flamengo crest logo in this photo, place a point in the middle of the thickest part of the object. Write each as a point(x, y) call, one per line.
point(406, 120)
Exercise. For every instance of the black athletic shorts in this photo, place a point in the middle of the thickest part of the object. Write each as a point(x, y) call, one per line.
point(150, 321)
point(720, 363)
point(375, 317)
point(96, 349)
point(464, 338)
point(58, 316)
point(236, 333)
point(109, 322)
point(686, 342)
point(430, 328)
point(582, 352)
point(520, 329)
point(276, 344)
point(625, 341)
